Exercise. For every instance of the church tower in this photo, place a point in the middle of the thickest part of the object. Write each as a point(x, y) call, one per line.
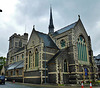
point(51, 26)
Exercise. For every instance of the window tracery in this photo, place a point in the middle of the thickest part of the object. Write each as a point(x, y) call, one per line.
point(82, 49)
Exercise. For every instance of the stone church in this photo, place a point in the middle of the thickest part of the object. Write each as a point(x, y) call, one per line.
point(60, 57)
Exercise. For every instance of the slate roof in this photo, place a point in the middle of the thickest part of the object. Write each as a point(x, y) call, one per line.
point(20, 49)
point(10, 65)
point(47, 40)
point(58, 53)
point(21, 65)
point(15, 64)
point(54, 56)
point(64, 29)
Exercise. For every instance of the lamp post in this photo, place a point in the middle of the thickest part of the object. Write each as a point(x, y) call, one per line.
point(0, 10)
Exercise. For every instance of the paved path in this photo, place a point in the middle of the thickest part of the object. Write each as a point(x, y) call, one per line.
point(25, 85)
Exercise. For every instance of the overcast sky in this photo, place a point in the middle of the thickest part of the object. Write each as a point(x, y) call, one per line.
point(19, 15)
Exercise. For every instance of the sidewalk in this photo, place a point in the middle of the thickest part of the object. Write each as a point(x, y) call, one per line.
point(55, 85)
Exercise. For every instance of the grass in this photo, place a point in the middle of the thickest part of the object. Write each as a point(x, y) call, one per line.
point(60, 84)
point(97, 83)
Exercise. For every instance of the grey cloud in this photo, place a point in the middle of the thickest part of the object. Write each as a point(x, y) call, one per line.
point(32, 12)
point(5, 32)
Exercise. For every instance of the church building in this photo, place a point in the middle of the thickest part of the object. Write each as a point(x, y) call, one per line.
point(61, 57)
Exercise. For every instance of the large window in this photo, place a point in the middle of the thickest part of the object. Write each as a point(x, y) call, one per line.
point(62, 42)
point(36, 58)
point(82, 49)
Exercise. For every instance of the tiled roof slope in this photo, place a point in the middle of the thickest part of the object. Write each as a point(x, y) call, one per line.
point(64, 29)
point(47, 40)
point(15, 64)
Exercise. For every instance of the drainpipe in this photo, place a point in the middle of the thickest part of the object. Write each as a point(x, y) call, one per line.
point(45, 62)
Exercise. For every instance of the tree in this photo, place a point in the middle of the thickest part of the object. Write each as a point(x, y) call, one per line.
point(2, 62)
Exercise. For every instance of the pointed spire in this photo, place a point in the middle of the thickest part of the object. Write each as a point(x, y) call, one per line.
point(51, 26)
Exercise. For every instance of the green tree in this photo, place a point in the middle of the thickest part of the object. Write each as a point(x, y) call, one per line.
point(2, 62)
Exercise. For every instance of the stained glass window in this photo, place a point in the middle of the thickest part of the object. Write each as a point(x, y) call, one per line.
point(82, 49)
point(62, 42)
point(86, 71)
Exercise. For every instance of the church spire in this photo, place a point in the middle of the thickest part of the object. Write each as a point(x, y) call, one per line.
point(51, 26)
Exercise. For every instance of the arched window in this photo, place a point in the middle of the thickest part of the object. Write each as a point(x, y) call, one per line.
point(82, 49)
point(22, 56)
point(62, 42)
point(65, 66)
point(86, 71)
point(36, 58)
point(29, 59)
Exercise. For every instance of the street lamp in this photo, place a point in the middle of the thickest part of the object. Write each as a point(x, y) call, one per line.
point(0, 10)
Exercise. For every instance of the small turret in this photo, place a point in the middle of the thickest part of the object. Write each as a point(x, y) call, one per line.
point(26, 35)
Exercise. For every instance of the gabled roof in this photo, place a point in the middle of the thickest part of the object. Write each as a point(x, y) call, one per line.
point(47, 40)
point(64, 29)
point(60, 53)
point(55, 56)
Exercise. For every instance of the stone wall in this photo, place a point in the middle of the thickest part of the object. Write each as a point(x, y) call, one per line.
point(52, 78)
point(32, 80)
point(31, 73)
point(32, 77)
point(17, 79)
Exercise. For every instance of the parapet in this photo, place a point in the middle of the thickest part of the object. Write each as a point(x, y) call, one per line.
point(25, 36)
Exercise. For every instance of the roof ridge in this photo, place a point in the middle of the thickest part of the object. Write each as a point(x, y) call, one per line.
point(65, 26)
point(41, 32)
